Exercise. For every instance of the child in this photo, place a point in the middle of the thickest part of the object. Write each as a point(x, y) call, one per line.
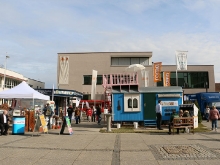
point(89, 114)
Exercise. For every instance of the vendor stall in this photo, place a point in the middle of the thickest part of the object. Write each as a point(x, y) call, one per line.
point(22, 91)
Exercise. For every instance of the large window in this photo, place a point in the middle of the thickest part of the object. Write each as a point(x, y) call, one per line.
point(10, 83)
point(188, 79)
point(87, 80)
point(129, 60)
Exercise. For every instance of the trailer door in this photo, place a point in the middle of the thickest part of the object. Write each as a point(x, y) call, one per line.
point(149, 106)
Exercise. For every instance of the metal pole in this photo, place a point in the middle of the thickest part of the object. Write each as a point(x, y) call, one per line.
point(206, 86)
point(176, 78)
point(5, 70)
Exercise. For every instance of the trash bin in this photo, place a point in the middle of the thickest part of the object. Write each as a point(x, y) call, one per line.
point(135, 125)
point(18, 126)
point(118, 125)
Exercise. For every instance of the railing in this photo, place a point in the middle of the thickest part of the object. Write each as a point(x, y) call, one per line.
point(110, 80)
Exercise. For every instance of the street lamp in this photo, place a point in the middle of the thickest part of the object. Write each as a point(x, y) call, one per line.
point(6, 57)
point(206, 86)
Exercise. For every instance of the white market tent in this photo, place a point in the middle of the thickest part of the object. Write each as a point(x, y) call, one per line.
point(23, 91)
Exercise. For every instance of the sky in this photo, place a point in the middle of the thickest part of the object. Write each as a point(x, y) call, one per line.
point(33, 32)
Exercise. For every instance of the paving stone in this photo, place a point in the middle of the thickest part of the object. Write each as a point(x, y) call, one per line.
point(136, 156)
point(95, 156)
point(141, 162)
point(177, 162)
point(17, 161)
point(103, 162)
point(173, 152)
point(58, 161)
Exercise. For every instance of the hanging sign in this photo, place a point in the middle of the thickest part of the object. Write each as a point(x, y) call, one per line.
point(166, 79)
point(157, 70)
point(181, 60)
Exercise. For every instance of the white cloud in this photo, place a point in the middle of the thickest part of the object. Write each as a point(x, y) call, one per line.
point(33, 32)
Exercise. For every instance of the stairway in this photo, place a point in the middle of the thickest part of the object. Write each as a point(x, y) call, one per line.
point(150, 122)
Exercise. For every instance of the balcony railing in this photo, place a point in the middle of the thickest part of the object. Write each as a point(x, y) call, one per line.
point(118, 79)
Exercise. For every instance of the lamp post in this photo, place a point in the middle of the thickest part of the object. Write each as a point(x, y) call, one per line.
point(206, 86)
point(6, 57)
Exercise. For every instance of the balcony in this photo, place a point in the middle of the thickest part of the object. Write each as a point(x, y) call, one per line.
point(120, 81)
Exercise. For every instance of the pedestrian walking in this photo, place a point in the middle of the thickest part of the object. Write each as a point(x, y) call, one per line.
point(77, 114)
point(214, 116)
point(207, 111)
point(70, 112)
point(98, 114)
point(93, 114)
point(159, 114)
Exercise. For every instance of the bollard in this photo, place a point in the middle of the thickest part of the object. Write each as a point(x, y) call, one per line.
point(108, 122)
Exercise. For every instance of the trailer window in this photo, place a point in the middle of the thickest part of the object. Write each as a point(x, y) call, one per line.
point(217, 104)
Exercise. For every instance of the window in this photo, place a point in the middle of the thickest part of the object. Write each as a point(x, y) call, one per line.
point(188, 79)
point(99, 80)
point(129, 103)
point(10, 83)
point(135, 103)
point(86, 97)
point(126, 61)
point(87, 80)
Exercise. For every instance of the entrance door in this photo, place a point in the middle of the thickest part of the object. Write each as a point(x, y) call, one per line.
point(149, 106)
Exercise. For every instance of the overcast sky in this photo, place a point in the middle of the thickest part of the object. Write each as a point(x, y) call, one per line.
point(33, 32)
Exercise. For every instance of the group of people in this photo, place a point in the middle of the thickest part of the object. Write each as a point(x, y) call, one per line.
point(91, 113)
point(76, 111)
point(213, 115)
point(210, 114)
point(173, 115)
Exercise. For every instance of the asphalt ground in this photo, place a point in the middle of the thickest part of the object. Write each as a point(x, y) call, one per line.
point(88, 146)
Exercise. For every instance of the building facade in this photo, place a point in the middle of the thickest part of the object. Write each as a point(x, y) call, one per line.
point(75, 72)
point(12, 79)
point(35, 84)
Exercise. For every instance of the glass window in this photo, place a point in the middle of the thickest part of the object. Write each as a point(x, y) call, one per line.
point(87, 79)
point(124, 61)
point(114, 61)
point(99, 80)
point(135, 61)
point(144, 61)
point(188, 79)
point(135, 103)
point(129, 103)
point(129, 60)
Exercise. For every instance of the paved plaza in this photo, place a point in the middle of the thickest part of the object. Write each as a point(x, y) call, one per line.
point(88, 146)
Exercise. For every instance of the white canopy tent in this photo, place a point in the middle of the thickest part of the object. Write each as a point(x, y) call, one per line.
point(23, 91)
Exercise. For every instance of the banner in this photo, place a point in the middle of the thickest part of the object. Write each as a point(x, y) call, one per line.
point(64, 70)
point(157, 70)
point(94, 80)
point(145, 78)
point(181, 60)
point(166, 79)
point(70, 130)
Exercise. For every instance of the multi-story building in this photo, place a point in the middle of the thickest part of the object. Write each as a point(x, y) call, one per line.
point(35, 84)
point(12, 79)
point(75, 71)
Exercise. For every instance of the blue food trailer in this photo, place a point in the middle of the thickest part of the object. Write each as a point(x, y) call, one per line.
point(204, 99)
point(139, 106)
